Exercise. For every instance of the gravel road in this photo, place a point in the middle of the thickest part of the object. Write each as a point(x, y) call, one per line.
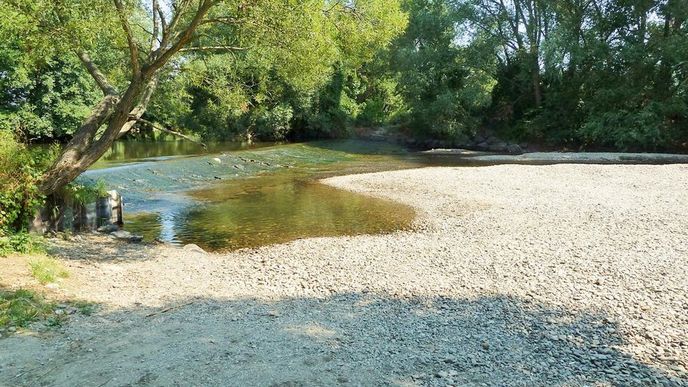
point(513, 275)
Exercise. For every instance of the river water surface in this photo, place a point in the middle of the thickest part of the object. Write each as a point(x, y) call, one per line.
point(231, 196)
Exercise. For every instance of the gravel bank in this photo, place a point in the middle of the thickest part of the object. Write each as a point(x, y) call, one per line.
point(538, 158)
point(514, 275)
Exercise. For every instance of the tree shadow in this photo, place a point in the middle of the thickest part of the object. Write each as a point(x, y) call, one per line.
point(353, 338)
point(100, 247)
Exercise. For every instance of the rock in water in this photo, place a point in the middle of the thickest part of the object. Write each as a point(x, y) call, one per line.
point(497, 146)
point(514, 149)
point(217, 160)
point(195, 248)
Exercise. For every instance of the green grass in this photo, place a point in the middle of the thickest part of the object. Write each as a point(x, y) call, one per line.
point(84, 307)
point(19, 308)
point(47, 270)
point(22, 243)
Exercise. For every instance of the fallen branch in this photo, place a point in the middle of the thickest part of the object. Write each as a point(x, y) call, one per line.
point(172, 132)
point(169, 309)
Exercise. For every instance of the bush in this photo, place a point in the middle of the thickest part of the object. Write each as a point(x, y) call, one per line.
point(19, 195)
point(270, 124)
point(85, 193)
point(21, 242)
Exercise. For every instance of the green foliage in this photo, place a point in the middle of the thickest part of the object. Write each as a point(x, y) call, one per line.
point(301, 83)
point(437, 77)
point(271, 124)
point(21, 242)
point(19, 173)
point(609, 74)
point(84, 193)
point(46, 91)
point(45, 101)
point(592, 74)
point(47, 270)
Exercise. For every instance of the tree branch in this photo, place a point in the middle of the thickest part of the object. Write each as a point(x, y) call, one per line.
point(172, 132)
point(154, 37)
point(138, 111)
point(98, 76)
point(179, 9)
point(222, 20)
point(133, 49)
point(212, 48)
point(184, 38)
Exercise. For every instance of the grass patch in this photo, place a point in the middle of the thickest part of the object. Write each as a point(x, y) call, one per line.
point(84, 307)
point(19, 308)
point(47, 270)
point(22, 243)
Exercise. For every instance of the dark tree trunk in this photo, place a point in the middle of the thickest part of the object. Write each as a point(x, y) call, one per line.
point(117, 112)
point(537, 88)
point(85, 149)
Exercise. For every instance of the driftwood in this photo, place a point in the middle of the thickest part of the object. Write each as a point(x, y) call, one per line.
point(172, 132)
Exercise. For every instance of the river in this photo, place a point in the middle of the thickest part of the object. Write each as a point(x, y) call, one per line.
point(232, 196)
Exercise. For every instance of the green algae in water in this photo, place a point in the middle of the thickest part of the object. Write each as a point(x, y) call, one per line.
point(275, 209)
point(146, 224)
point(256, 197)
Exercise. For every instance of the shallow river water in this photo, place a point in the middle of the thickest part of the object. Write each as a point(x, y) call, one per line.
point(232, 196)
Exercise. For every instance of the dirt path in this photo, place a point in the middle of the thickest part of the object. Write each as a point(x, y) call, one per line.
point(515, 275)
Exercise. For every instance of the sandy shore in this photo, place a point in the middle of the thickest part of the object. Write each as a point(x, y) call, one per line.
point(514, 275)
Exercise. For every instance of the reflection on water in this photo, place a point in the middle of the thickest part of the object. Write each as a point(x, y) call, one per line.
point(236, 197)
point(273, 209)
point(126, 151)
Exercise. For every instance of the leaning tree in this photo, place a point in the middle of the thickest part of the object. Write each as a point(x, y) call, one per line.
point(137, 39)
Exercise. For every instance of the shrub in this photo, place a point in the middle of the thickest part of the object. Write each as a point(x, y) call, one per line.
point(20, 242)
point(83, 193)
point(626, 130)
point(19, 174)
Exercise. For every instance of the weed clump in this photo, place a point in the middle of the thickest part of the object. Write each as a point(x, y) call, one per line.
point(47, 270)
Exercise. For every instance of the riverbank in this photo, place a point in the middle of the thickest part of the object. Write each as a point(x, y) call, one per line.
point(512, 275)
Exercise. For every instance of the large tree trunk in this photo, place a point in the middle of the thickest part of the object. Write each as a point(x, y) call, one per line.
point(85, 149)
point(121, 112)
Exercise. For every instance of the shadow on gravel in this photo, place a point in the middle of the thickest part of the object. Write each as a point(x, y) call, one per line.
point(356, 339)
point(103, 249)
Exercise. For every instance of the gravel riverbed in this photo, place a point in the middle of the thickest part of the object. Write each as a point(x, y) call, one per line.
point(512, 276)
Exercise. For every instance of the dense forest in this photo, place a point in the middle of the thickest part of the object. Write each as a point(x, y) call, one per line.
point(562, 74)
point(575, 73)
